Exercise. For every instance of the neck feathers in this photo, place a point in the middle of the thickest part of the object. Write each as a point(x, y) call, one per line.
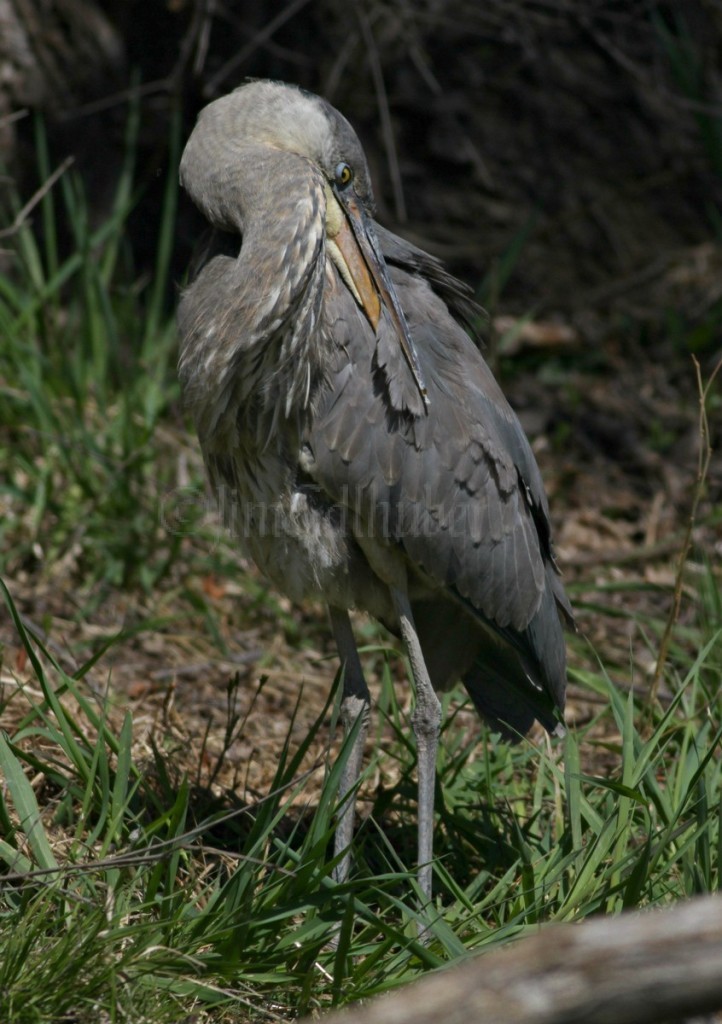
point(249, 326)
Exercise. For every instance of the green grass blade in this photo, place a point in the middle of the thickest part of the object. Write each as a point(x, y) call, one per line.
point(26, 806)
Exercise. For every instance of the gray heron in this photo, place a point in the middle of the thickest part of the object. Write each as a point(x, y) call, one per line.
point(358, 443)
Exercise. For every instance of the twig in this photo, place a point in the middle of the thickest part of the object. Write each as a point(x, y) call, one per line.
point(158, 850)
point(338, 68)
point(16, 115)
point(703, 460)
point(623, 556)
point(115, 99)
point(203, 39)
point(22, 216)
point(202, 667)
point(258, 40)
point(386, 127)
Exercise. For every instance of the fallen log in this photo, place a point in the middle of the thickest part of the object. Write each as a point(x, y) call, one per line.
point(642, 968)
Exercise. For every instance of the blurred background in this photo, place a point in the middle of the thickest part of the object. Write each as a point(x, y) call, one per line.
point(584, 131)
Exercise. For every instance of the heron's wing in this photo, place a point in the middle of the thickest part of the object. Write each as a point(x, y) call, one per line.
point(457, 490)
point(459, 297)
point(458, 487)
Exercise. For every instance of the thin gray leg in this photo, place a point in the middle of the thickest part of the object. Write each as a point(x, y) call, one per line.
point(355, 704)
point(426, 721)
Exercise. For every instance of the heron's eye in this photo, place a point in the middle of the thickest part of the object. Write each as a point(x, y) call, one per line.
point(343, 174)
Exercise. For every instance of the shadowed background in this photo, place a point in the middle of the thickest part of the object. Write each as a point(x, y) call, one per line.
point(587, 132)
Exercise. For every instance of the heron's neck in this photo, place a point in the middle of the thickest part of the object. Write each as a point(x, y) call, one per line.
point(250, 326)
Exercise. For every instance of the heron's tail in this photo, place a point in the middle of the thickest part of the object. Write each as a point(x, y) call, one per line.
point(523, 677)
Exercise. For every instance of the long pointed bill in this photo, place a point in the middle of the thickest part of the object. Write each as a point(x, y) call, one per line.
point(370, 280)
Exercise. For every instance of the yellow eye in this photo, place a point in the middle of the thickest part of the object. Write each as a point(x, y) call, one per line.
point(344, 175)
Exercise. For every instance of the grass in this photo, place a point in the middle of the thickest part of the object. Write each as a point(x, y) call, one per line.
point(87, 369)
point(135, 888)
point(125, 891)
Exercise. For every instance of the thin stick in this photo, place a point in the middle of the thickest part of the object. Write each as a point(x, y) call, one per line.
point(386, 127)
point(35, 199)
point(703, 461)
point(258, 40)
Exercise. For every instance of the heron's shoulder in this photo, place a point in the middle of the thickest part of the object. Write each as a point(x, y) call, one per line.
point(429, 271)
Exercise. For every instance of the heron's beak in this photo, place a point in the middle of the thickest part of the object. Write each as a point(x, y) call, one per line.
point(364, 269)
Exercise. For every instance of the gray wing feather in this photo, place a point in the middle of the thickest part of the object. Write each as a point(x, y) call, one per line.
point(448, 485)
point(459, 297)
point(459, 491)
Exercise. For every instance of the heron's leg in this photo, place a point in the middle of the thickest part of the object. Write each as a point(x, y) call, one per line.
point(355, 705)
point(426, 721)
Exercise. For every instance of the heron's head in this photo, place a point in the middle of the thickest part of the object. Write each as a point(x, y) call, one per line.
point(283, 118)
point(236, 167)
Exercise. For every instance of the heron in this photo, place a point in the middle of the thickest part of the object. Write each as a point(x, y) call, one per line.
point(360, 448)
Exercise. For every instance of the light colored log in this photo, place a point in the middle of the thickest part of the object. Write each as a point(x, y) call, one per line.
point(642, 968)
